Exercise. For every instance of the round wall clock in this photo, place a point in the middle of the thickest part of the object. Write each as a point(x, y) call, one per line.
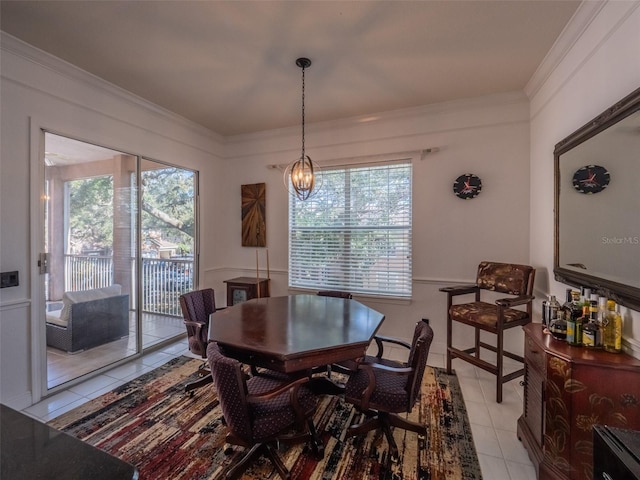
point(467, 186)
point(591, 179)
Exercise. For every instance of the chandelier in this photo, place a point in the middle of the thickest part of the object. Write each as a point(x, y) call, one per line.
point(301, 177)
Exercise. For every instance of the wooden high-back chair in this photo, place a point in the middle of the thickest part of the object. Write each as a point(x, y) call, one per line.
point(384, 389)
point(496, 317)
point(196, 307)
point(262, 411)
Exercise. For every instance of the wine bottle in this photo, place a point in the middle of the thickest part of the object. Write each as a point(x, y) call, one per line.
point(591, 330)
point(612, 324)
point(574, 327)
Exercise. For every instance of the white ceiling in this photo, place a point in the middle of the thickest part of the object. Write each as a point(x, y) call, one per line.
point(230, 65)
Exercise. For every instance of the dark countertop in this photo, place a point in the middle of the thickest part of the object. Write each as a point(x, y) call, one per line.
point(31, 450)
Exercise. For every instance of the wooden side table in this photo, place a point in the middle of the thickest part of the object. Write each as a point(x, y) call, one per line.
point(241, 289)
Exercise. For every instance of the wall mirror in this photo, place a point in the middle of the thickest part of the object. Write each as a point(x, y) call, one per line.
point(597, 204)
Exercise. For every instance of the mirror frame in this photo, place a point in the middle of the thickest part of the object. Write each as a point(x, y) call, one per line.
point(626, 295)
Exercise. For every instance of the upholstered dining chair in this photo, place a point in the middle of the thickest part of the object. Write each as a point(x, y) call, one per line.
point(382, 388)
point(196, 307)
point(262, 411)
point(493, 317)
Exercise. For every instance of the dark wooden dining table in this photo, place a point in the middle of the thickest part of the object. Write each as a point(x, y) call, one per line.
point(295, 333)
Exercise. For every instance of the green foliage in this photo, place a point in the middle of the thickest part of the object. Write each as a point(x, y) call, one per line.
point(168, 209)
point(170, 190)
point(91, 213)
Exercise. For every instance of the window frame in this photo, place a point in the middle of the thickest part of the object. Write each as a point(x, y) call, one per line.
point(396, 273)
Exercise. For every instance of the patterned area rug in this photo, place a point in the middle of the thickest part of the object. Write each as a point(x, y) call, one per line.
point(166, 434)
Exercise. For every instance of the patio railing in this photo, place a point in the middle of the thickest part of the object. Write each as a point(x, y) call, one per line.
point(163, 280)
point(83, 272)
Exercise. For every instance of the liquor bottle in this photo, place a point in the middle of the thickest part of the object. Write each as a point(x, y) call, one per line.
point(554, 308)
point(574, 327)
point(558, 326)
point(546, 314)
point(567, 297)
point(585, 296)
point(602, 309)
point(612, 335)
point(591, 330)
point(594, 316)
point(550, 310)
point(572, 307)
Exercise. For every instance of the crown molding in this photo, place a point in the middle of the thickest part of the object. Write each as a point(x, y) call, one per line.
point(454, 106)
point(583, 17)
point(11, 44)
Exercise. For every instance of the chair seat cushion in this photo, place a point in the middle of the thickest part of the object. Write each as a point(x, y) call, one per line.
point(484, 314)
point(53, 317)
point(389, 395)
point(273, 416)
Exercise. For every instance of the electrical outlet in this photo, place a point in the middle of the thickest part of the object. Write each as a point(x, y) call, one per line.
point(9, 279)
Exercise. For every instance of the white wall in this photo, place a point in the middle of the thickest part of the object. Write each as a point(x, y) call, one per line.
point(487, 136)
point(39, 91)
point(494, 137)
point(601, 67)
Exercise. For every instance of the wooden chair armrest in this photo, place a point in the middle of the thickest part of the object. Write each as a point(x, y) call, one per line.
point(514, 301)
point(369, 367)
point(292, 387)
point(197, 325)
point(454, 290)
point(389, 369)
point(397, 341)
point(382, 339)
point(279, 390)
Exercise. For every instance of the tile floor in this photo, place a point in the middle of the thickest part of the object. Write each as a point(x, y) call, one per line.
point(501, 455)
point(62, 367)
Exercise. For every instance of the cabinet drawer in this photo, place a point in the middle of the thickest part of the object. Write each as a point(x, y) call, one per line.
point(534, 356)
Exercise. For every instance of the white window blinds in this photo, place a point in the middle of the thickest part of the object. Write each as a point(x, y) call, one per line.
point(355, 234)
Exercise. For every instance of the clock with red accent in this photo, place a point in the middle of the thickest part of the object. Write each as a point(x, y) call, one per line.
point(591, 179)
point(467, 186)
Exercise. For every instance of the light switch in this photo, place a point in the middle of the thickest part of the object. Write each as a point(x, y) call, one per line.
point(9, 279)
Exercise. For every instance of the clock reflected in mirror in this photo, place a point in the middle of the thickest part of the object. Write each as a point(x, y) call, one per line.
point(467, 186)
point(591, 179)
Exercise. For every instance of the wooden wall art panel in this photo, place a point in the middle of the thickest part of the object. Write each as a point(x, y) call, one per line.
point(254, 225)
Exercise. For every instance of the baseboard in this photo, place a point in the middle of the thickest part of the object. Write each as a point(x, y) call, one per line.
point(19, 402)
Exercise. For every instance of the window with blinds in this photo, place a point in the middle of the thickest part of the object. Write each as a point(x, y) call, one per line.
point(355, 233)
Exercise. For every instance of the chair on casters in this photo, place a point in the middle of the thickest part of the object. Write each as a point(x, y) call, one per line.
point(511, 279)
point(196, 307)
point(383, 388)
point(261, 412)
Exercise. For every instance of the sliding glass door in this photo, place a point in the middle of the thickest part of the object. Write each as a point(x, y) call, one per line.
point(168, 237)
point(119, 238)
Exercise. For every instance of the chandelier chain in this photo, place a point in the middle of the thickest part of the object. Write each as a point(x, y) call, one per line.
point(303, 69)
point(301, 176)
